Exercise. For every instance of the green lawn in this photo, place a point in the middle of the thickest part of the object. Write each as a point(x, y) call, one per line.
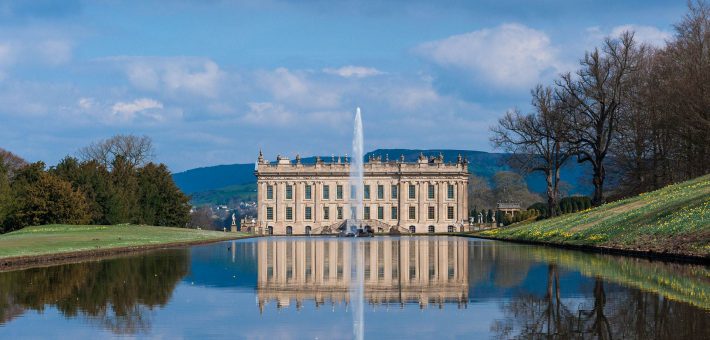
point(52, 239)
point(675, 219)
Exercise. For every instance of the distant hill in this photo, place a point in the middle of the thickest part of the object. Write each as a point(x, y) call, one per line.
point(217, 184)
point(214, 177)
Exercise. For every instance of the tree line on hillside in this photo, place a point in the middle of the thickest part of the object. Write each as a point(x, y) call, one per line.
point(638, 115)
point(112, 182)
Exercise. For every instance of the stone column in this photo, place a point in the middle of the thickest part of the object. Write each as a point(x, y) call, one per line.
point(316, 200)
point(399, 202)
point(296, 207)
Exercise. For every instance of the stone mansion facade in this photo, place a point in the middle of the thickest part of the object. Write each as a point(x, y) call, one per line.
point(425, 196)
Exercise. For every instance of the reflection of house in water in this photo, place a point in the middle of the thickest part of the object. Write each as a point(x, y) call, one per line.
point(396, 270)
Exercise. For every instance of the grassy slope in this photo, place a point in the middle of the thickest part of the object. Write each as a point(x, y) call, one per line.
point(675, 219)
point(51, 239)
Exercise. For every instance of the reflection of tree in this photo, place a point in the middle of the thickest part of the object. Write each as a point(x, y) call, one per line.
point(601, 327)
point(537, 316)
point(508, 264)
point(628, 314)
point(116, 293)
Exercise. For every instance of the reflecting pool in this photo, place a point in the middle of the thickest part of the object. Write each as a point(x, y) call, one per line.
point(343, 288)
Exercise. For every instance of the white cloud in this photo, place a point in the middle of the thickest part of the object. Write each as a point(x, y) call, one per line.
point(54, 51)
point(352, 71)
point(296, 89)
point(268, 113)
point(646, 34)
point(173, 75)
point(128, 111)
point(86, 103)
point(508, 55)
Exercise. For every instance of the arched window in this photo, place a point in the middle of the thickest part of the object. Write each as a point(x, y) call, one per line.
point(431, 229)
point(412, 229)
point(450, 229)
point(270, 230)
point(308, 230)
point(289, 230)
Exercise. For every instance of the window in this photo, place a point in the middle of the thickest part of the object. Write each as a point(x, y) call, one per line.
point(412, 229)
point(412, 213)
point(380, 192)
point(269, 213)
point(326, 213)
point(289, 191)
point(340, 213)
point(289, 213)
point(339, 192)
point(269, 192)
point(308, 191)
point(353, 190)
point(308, 230)
point(394, 192)
point(412, 191)
point(394, 213)
point(326, 192)
point(450, 229)
point(367, 192)
point(309, 213)
point(450, 213)
point(367, 213)
point(380, 213)
point(289, 230)
point(431, 213)
point(450, 191)
point(270, 230)
point(431, 191)
point(431, 229)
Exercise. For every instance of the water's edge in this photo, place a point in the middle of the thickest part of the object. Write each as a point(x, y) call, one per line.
point(647, 254)
point(46, 260)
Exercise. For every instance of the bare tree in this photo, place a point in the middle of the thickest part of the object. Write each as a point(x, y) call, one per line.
point(538, 141)
point(11, 162)
point(594, 96)
point(480, 195)
point(137, 150)
point(202, 217)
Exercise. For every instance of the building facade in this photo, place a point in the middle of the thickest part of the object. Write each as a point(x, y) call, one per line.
point(426, 196)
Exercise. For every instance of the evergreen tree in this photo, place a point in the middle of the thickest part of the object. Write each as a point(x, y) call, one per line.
point(5, 195)
point(123, 205)
point(161, 202)
point(42, 198)
point(94, 180)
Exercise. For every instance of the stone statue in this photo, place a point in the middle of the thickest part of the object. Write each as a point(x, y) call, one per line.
point(234, 219)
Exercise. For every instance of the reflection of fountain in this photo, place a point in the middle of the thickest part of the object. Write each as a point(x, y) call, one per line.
point(357, 291)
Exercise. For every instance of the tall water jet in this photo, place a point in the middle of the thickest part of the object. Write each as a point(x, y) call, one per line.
point(357, 288)
point(356, 175)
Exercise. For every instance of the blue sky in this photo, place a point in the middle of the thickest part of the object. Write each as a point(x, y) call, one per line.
point(213, 81)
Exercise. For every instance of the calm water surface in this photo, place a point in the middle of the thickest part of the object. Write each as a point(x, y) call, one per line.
point(326, 288)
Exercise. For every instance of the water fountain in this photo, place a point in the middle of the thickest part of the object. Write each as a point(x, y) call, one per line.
point(356, 178)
